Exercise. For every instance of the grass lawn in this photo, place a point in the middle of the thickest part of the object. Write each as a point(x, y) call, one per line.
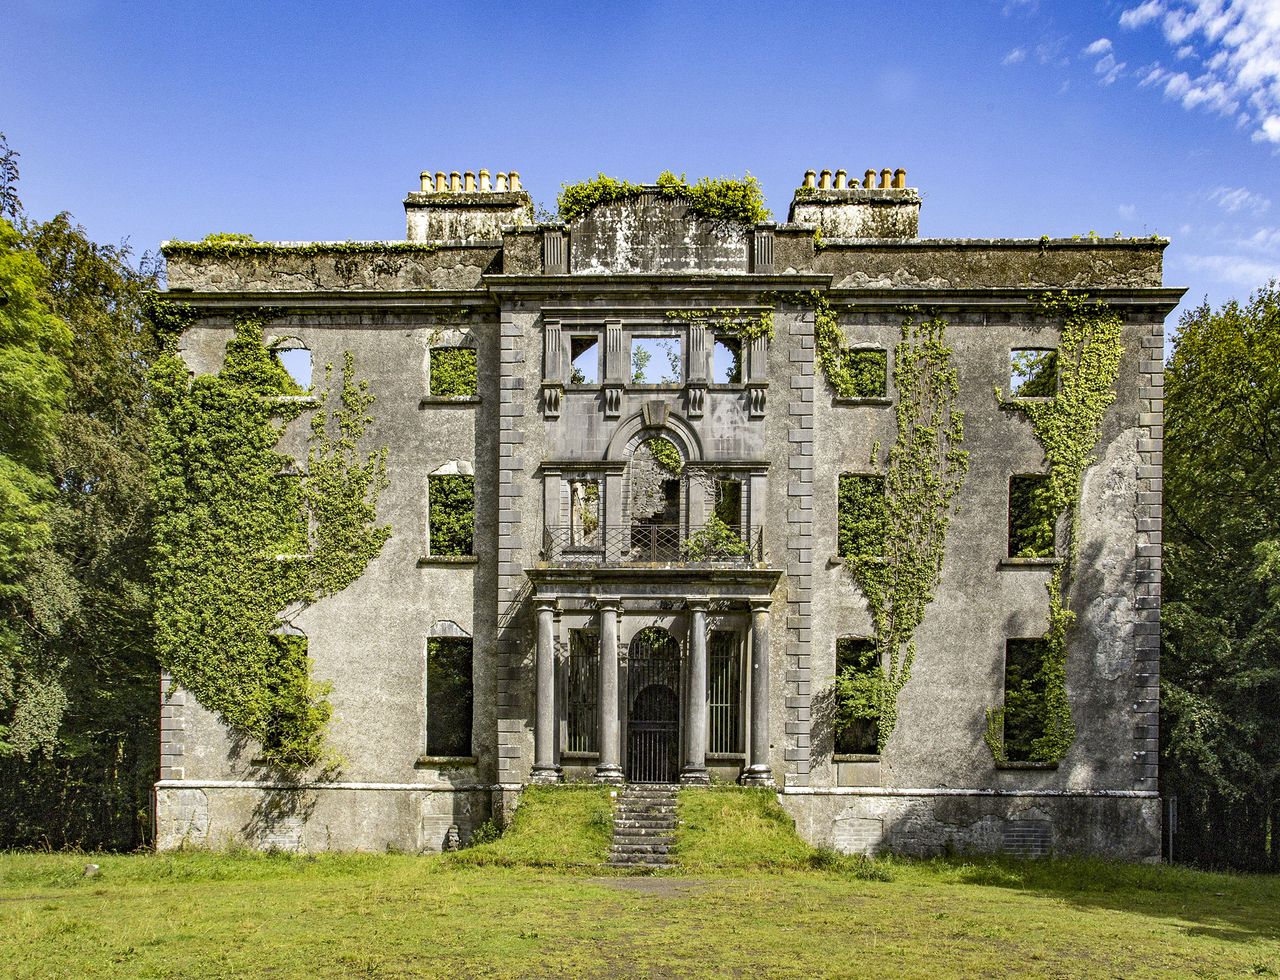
point(483, 913)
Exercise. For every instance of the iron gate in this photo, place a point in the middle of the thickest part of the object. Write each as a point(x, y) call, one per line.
point(653, 721)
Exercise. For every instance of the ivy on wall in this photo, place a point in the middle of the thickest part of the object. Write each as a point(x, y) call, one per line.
point(452, 522)
point(453, 372)
point(1068, 426)
point(898, 570)
point(852, 372)
point(665, 454)
point(719, 199)
point(238, 540)
point(229, 245)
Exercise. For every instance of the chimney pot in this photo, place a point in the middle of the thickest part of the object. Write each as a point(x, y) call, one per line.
point(869, 179)
point(899, 178)
point(515, 180)
point(455, 181)
point(841, 178)
point(441, 182)
point(484, 180)
point(808, 178)
point(425, 178)
point(501, 184)
point(824, 180)
point(469, 181)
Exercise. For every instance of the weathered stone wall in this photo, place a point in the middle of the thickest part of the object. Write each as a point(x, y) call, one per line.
point(654, 233)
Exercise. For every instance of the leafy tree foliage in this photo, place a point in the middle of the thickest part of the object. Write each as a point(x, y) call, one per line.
point(78, 700)
point(1221, 643)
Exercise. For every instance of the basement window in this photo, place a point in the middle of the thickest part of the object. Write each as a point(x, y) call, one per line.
point(451, 514)
point(724, 692)
point(656, 361)
point(453, 372)
point(449, 696)
point(1033, 373)
point(861, 517)
point(1024, 696)
point(856, 660)
point(1032, 520)
point(584, 357)
point(726, 361)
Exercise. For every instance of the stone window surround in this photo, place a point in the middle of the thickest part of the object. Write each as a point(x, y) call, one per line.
point(454, 467)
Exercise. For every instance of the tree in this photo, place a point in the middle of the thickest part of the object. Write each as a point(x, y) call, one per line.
point(1220, 689)
point(83, 696)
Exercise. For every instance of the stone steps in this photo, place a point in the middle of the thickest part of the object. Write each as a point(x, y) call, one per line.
point(644, 825)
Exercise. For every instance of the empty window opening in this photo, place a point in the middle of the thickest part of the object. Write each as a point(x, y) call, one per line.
point(584, 357)
point(582, 692)
point(724, 692)
point(1025, 708)
point(728, 503)
point(864, 372)
point(862, 519)
point(860, 676)
point(453, 372)
point(296, 361)
point(656, 361)
point(449, 696)
point(726, 361)
point(584, 513)
point(1033, 373)
point(1032, 519)
point(451, 514)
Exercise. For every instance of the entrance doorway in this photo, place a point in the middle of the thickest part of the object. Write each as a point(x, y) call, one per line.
point(653, 700)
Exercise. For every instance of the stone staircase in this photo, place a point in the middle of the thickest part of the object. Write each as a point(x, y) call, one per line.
point(644, 826)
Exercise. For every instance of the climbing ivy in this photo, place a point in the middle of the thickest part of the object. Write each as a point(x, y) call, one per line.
point(240, 541)
point(719, 199)
point(715, 541)
point(453, 372)
point(851, 372)
point(665, 454)
point(898, 570)
point(729, 322)
point(452, 522)
point(1068, 427)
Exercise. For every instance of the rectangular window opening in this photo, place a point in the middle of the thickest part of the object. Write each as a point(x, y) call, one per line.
point(584, 513)
point(584, 360)
point(296, 361)
point(728, 503)
point(724, 692)
point(1024, 697)
point(1032, 520)
point(858, 670)
point(451, 516)
point(449, 696)
point(582, 691)
point(453, 372)
point(1033, 373)
point(656, 361)
point(862, 518)
point(863, 372)
point(726, 361)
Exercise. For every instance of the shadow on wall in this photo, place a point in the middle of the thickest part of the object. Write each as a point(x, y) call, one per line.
point(279, 819)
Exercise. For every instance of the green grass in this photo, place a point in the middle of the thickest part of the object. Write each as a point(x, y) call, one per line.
point(553, 827)
point(246, 915)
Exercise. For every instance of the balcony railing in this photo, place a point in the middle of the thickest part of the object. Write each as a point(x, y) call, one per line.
point(667, 544)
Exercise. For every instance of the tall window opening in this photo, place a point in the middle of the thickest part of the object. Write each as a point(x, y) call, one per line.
point(449, 696)
point(726, 361)
point(584, 513)
point(858, 667)
point(291, 355)
point(728, 503)
point(1024, 696)
point(582, 691)
point(656, 361)
point(584, 358)
point(1033, 373)
point(862, 518)
point(724, 692)
point(451, 514)
point(1032, 519)
point(865, 372)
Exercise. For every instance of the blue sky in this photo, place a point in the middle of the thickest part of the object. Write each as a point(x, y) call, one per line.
point(311, 120)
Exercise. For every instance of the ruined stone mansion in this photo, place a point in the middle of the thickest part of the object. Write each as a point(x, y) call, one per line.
point(650, 582)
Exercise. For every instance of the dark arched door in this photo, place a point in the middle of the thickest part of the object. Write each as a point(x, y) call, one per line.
point(653, 716)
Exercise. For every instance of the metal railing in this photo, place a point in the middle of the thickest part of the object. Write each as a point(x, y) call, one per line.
point(668, 544)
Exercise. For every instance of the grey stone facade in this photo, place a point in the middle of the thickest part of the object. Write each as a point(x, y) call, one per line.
point(738, 685)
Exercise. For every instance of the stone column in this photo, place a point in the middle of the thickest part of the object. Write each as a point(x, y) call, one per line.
point(545, 769)
point(758, 772)
point(695, 760)
point(609, 769)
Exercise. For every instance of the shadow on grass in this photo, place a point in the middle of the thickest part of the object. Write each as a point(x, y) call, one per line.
point(1230, 907)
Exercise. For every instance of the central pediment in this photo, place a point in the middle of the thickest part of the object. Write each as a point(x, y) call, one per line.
point(654, 231)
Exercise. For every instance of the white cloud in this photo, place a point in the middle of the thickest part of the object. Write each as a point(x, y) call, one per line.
point(1235, 269)
point(1142, 14)
point(1014, 57)
point(1108, 68)
point(1242, 57)
point(1127, 211)
point(1233, 199)
point(1100, 46)
point(1264, 238)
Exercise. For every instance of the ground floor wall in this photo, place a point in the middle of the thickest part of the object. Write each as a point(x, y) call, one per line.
point(1025, 824)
